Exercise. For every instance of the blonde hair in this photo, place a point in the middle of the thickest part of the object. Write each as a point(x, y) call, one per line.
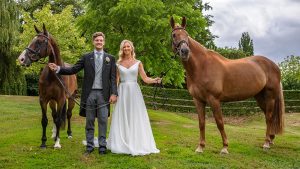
point(121, 53)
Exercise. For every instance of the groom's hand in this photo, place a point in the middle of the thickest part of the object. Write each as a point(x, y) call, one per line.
point(53, 66)
point(113, 99)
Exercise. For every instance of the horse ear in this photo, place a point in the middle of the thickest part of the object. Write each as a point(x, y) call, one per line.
point(172, 22)
point(44, 29)
point(36, 29)
point(183, 22)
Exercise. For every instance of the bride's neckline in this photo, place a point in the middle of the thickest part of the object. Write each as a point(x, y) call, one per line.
point(130, 65)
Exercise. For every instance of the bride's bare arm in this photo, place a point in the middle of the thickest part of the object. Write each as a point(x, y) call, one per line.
point(118, 76)
point(145, 78)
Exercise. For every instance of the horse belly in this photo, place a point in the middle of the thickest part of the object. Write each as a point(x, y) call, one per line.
point(242, 88)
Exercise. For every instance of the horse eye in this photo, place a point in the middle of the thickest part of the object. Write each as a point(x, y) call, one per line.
point(174, 35)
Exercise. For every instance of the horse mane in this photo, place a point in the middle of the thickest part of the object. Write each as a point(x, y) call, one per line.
point(209, 52)
point(54, 44)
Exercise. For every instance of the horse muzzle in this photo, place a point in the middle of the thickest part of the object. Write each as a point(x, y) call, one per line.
point(184, 53)
point(23, 60)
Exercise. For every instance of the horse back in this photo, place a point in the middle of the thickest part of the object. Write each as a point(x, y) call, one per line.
point(246, 77)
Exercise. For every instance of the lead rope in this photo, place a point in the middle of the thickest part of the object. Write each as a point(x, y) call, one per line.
point(160, 86)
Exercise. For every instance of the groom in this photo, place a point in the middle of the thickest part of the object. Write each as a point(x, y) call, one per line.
point(99, 88)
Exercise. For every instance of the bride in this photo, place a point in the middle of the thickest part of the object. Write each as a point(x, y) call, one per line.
point(130, 130)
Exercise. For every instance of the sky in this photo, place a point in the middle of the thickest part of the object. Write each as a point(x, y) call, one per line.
point(273, 25)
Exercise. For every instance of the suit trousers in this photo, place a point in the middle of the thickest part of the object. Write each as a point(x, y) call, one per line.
point(94, 100)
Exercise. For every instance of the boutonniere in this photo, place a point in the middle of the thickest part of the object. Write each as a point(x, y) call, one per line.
point(107, 60)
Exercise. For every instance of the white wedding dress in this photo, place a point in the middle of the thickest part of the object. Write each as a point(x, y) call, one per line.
point(130, 130)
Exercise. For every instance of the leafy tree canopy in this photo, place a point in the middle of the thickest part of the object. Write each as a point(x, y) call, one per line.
point(61, 26)
point(57, 6)
point(231, 53)
point(290, 72)
point(146, 23)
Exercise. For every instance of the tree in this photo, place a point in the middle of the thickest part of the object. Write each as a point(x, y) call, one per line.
point(61, 26)
point(290, 72)
point(11, 79)
point(146, 23)
point(231, 53)
point(57, 6)
point(205, 37)
point(246, 44)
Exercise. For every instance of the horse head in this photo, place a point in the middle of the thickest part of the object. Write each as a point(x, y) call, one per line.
point(179, 38)
point(37, 49)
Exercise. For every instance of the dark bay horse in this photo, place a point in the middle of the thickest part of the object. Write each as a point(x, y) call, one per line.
point(212, 79)
point(50, 89)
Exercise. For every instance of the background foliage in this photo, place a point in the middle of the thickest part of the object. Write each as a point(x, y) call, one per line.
point(10, 80)
point(61, 26)
point(146, 23)
point(290, 72)
point(246, 44)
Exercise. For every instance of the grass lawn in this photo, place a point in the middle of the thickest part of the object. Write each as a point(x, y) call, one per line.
point(176, 136)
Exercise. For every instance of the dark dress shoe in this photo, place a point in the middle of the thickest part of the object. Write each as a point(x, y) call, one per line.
point(102, 150)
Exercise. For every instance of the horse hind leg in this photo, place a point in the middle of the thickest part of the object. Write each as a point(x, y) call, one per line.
point(52, 105)
point(58, 121)
point(268, 101)
point(272, 137)
point(266, 107)
point(71, 104)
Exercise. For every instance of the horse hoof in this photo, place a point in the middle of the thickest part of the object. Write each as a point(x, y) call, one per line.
point(199, 150)
point(70, 137)
point(57, 146)
point(43, 146)
point(266, 146)
point(224, 151)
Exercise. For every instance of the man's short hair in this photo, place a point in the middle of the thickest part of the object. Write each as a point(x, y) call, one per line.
point(96, 34)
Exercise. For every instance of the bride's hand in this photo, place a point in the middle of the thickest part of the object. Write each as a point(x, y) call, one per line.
point(157, 80)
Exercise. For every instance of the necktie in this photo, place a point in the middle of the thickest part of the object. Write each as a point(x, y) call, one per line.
point(98, 55)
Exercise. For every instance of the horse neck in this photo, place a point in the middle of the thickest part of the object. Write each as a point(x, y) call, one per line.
point(197, 57)
point(54, 56)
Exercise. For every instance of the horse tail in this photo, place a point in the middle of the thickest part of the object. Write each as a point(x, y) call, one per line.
point(278, 114)
point(64, 116)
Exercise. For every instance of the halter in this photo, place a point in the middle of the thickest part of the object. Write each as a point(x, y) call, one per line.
point(177, 45)
point(37, 51)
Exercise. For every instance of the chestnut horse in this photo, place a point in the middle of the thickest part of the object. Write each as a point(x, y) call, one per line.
point(212, 79)
point(50, 89)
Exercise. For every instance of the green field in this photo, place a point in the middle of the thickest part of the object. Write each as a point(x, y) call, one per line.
point(176, 136)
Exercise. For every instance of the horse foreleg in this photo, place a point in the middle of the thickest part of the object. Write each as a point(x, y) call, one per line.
point(217, 112)
point(44, 122)
point(200, 106)
point(71, 105)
